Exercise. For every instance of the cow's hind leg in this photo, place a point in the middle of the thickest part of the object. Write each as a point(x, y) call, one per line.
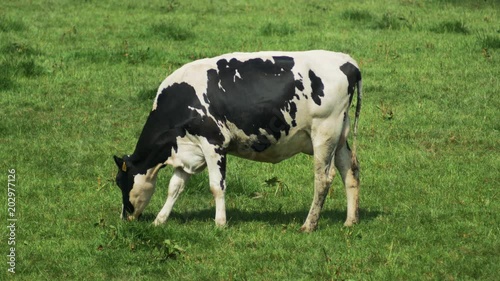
point(324, 172)
point(175, 187)
point(347, 164)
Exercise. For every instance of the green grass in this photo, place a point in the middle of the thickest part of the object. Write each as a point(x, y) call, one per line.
point(77, 80)
point(451, 26)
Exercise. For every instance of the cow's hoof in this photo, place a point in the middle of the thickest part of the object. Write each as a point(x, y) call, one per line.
point(351, 222)
point(158, 222)
point(307, 228)
point(220, 225)
point(220, 222)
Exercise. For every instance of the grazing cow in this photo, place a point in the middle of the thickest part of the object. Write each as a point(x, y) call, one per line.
point(265, 106)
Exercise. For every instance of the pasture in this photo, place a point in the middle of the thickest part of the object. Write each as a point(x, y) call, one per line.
point(77, 81)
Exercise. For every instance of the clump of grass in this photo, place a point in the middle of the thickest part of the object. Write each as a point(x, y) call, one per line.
point(489, 41)
point(173, 31)
point(19, 49)
point(147, 94)
point(97, 56)
point(7, 25)
point(317, 6)
point(392, 22)
point(451, 27)
point(20, 61)
point(168, 249)
point(386, 112)
point(357, 15)
point(138, 56)
point(170, 6)
point(277, 29)
point(278, 184)
point(5, 78)
point(137, 239)
point(29, 68)
point(466, 3)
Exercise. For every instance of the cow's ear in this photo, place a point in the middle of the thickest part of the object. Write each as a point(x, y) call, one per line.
point(120, 163)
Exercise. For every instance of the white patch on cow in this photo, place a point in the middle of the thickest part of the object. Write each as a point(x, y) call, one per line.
point(188, 156)
point(142, 191)
point(158, 92)
point(197, 110)
point(220, 87)
point(237, 74)
point(155, 103)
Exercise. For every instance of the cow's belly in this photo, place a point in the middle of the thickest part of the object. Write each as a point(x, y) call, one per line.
point(286, 147)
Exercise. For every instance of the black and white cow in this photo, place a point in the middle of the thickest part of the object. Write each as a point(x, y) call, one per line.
point(265, 106)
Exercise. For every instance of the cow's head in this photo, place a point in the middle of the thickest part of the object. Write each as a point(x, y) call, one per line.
point(136, 188)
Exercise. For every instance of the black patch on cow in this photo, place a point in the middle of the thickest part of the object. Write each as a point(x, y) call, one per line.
point(222, 169)
point(222, 165)
point(299, 85)
point(252, 95)
point(125, 182)
point(353, 76)
point(174, 115)
point(317, 87)
point(293, 112)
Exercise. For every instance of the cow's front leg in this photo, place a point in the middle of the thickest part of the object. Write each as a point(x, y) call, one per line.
point(175, 187)
point(216, 164)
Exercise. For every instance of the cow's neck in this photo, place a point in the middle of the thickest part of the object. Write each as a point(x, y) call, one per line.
point(152, 173)
point(154, 145)
point(146, 165)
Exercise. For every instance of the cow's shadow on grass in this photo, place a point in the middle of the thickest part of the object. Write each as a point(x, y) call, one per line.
point(237, 216)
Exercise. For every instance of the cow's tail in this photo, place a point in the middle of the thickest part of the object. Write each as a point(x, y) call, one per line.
point(359, 86)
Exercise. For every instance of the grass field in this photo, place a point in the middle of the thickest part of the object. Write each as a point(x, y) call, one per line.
point(77, 79)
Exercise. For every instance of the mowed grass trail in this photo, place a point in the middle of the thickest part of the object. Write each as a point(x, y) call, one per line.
point(77, 81)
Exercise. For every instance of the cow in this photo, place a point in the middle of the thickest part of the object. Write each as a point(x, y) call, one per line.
point(263, 106)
